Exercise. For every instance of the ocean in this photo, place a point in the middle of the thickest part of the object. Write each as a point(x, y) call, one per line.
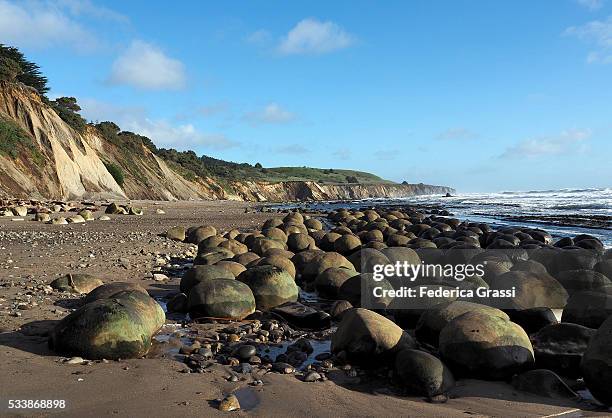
point(564, 212)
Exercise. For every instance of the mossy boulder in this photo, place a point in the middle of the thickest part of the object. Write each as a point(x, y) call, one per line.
point(209, 256)
point(479, 345)
point(200, 233)
point(560, 347)
point(76, 283)
point(369, 338)
point(422, 373)
point(232, 266)
point(588, 308)
point(313, 224)
point(110, 289)
point(261, 245)
point(347, 244)
point(300, 242)
point(271, 286)
point(580, 280)
point(322, 262)
point(221, 298)
point(596, 363)
point(176, 233)
point(433, 320)
point(111, 328)
point(329, 282)
point(532, 291)
point(201, 273)
point(280, 262)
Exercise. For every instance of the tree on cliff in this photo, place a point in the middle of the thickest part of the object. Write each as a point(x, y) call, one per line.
point(67, 109)
point(14, 67)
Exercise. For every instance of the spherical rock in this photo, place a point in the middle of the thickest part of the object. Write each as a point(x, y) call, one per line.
point(108, 290)
point(321, 262)
point(200, 233)
point(261, 245)
point(560, 347)
point(232, 266)
point(329, 282)
point(221, 298)
point(210, 256)
point(201, 273)
point(111, 328)
point(588, 308)
point(300, 242)
point(423, 374)
point(532, 291)
point(280, 262)
point(578, 280)
point(433, 320)
point(596, 363)
point(176, 233)
point(76, 283)
point(270, 285)
point(486, 346)
point(347, 244)
point(313, 224)
point(368, 337)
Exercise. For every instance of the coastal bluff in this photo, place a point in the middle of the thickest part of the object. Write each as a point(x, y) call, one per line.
point(42, 156)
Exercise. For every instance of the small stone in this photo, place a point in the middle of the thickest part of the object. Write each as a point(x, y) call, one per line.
point(229, 403)
point(312, 377)
point(281, 367)
point(159, 277)
point(245, 352)
point(74, 360)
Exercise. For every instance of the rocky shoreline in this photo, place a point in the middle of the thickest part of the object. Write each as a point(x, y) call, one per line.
point(247, 305)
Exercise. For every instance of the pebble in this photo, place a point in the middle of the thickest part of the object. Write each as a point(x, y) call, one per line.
point(245, 352)
point(229, 403)
point(75, 360)
point(312, 377)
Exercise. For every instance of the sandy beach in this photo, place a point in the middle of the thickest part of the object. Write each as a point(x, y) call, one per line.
point(125, 249)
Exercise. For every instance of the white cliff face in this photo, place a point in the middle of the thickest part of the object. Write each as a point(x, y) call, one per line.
point(72, 168)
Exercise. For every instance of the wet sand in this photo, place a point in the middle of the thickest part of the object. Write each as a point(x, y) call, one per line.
point(126, 248)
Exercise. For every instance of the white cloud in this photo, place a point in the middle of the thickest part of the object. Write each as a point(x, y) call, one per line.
point(270, 114)
point(311, 36)
point(42, 24)
point(146, 67)
point(591, 4)
point(160, 131)
point(457, 134)
point(598, 33)
point(566, 142)
point(259, 37)
point(182, 137)
point(86, 7)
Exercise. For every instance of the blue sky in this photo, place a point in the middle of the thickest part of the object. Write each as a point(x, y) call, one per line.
point(479, 95)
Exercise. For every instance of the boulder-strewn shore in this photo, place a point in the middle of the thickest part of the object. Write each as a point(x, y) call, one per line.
point(262, 307)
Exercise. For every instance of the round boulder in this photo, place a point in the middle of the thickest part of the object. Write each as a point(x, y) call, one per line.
point(271, 286)
point(110, 328)
point(201, 273)
point(367, 337)
point(485, 346)
point(597, 363)
point(423, 374)
point(221, 298)
point(76, 283)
